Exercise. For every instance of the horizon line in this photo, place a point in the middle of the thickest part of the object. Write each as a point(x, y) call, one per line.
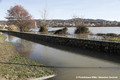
point(68, 19)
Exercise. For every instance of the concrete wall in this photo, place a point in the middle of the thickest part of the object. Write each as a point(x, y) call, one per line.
point(103, 46)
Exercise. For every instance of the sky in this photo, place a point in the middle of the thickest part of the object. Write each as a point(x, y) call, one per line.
point(66, 9)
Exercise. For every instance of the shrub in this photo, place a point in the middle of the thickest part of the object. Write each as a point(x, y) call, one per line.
point(81, 29)
point(1, 26)
point(43, 28)
point(61, 31)
point(100, 34)
point(119, 35)
point(91, 34)
point(111, 34)
point(108, 34)
point(13, 28)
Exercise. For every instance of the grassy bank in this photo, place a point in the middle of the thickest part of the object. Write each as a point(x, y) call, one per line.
point(14, 66)
point(110, 36)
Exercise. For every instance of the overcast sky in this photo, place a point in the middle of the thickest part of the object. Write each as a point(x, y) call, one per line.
point(65, 9)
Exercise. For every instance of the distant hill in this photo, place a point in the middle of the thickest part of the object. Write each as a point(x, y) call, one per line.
point(87, 22)
point(3, 22)
point(70, 22)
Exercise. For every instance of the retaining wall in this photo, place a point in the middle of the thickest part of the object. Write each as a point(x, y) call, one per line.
point(103, 46)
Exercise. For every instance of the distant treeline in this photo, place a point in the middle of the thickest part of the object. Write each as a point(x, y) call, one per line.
point(70, 23)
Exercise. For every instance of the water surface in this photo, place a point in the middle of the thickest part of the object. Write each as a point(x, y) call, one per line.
point(93, 30)
point(67, 64)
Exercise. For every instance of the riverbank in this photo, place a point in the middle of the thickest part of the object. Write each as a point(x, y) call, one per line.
point(14, 66)
point(109, 36)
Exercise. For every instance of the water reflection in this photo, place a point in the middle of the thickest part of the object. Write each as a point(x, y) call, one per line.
point(24, 47)
point(11, 38)
point(93, 30)
point(71, 34)
point(67, 64)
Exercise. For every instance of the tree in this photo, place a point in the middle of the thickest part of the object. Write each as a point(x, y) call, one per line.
point(81, 29)
point(20, 17)
point(61, 31)
point(44, 24)
point(79, 23)
point(12, 28)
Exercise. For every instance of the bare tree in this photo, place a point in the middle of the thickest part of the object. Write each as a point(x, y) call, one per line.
point(78, 21)
point(44, 22)
point(44, 15)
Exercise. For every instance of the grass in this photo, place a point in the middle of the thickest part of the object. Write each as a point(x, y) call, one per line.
point(14, 66)
point(100, 34)
point(21, 68)
point(1, 27)
point(116, 39)
point(2, 37)
point(110, 36)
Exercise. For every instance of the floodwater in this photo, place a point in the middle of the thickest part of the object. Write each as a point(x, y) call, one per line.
point(69, 65)
point(93, 30)
point(96, 30)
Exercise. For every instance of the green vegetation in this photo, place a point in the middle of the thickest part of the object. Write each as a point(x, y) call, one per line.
point(2, 36)
point(2, 39)
point(1, 27)
point(116, 39)
point(81, 29)
point(14, 66)
point(23, 68)
point(110, 36)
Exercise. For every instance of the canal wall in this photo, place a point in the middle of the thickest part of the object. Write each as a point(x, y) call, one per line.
point(97, 45)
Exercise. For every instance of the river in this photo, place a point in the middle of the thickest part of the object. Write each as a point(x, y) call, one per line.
point(93, 30)
point(69, 65)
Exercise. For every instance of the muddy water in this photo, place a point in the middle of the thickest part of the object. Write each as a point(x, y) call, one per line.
point(69, 65)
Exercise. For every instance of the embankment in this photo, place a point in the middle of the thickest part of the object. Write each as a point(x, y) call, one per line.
point(97, 45)
point(14, 66)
